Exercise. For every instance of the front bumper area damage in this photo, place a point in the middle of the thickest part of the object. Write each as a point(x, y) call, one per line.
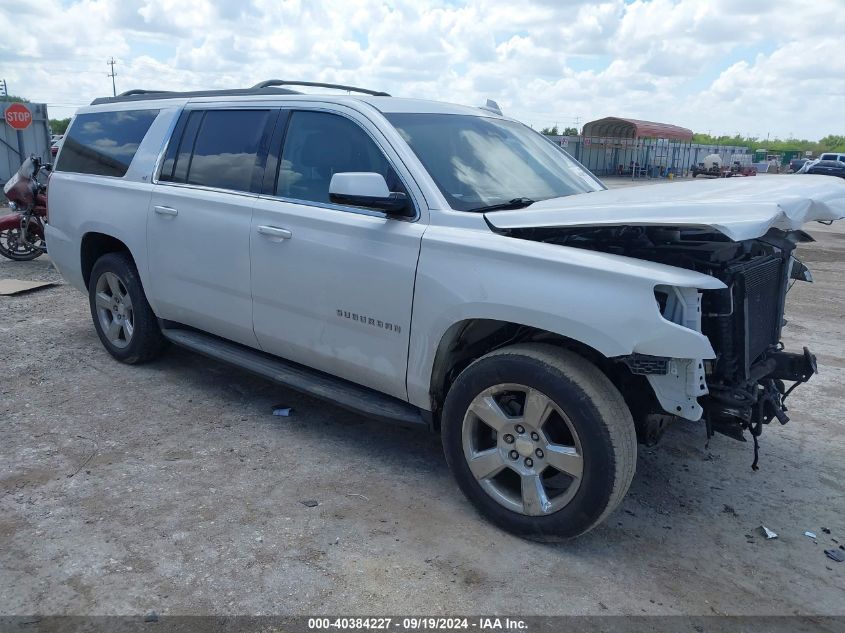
point(743, 236)
point(761, 400)
point(678, 383)
point(743, 385)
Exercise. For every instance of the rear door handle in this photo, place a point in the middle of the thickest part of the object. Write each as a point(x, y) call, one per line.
point(274, 232)
point(166, 211)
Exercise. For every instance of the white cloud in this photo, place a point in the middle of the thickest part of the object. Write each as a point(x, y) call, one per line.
point(721, 65)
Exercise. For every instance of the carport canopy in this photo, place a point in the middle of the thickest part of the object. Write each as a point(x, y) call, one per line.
point(614, 127)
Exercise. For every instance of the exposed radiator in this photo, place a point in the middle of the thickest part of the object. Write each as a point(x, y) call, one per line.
point(746, 319)
point(763, 305)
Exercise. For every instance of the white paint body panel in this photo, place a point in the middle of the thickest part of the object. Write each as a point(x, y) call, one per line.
point(604, 301)
point(337, 294)
point(741, 208)
point(199, 259)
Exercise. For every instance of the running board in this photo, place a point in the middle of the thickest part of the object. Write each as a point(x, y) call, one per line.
point(315, 383)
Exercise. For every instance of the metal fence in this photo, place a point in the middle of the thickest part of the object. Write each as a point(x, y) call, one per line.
point(15, 145)
point(644, 158)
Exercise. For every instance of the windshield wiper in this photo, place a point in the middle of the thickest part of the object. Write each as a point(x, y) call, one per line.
point(515, 203)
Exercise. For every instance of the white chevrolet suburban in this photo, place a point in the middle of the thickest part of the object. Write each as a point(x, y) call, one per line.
point(439, 265)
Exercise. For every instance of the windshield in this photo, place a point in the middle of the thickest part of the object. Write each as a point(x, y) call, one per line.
point(479, 161)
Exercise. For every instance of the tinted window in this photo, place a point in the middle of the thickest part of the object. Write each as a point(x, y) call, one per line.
point(219, 148)
point(178, 157)
point(477, 161)
point(104, 143)
point(319, 145)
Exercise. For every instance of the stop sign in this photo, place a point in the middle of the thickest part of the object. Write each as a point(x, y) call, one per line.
point(18, 116)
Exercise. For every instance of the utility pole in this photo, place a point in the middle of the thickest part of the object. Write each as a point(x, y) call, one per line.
point(111, 63)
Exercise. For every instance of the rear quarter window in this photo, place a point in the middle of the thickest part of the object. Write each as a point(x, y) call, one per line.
point(104, 143)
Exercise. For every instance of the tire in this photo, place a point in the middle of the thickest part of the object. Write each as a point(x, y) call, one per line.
point(127, 327)
point(585, 416)
point(12, 248)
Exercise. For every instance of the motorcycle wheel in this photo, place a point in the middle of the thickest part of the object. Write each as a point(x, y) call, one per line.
point(13, 247)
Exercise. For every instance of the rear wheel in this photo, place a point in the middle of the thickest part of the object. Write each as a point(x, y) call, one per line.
point(539, 440)
point(123, 318)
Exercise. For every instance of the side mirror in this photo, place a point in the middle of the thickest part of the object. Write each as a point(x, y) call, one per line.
point(368, 189)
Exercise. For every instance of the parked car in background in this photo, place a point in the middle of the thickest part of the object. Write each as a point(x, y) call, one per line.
point(55, 142)
point(439, 265)
point(796, 164)
point(838, 156)
point(828, 168)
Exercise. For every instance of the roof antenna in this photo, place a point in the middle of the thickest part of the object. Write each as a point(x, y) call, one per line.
point(492, 106)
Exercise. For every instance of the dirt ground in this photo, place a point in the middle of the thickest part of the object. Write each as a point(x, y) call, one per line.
point(171, 487)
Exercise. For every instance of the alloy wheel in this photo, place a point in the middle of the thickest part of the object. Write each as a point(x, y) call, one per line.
point(114, 310)
point(522, 449)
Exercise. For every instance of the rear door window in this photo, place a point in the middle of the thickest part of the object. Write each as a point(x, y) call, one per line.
point(224, 149)
point(104, 143)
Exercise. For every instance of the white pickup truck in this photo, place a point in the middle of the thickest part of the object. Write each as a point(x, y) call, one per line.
point(439, 265)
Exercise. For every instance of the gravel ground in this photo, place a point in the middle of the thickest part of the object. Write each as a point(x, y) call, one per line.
point(171, 487)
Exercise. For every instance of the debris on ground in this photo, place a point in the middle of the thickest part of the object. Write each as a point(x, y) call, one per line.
point(826, 530)
point(282, 411)
point(811, 535)
point(310, 503)
point(835, 554)
point(151, 616)
point(726, 509)
point(767, 532)
point(18, 286)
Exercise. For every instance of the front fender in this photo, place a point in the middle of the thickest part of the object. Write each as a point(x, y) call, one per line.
point(601, 300)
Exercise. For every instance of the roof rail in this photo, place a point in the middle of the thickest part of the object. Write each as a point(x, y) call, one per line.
point(148, 95)
point(315, 84)
point(138, 91)
point(271, 86)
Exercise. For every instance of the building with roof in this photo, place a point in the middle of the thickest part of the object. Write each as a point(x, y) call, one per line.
point(623, 146)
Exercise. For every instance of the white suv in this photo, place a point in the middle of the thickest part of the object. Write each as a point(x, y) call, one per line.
point(439, 265)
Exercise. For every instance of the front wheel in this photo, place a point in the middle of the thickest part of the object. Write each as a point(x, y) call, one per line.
point(13, 246)
point(539, 440)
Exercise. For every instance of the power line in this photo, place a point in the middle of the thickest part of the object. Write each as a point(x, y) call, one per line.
point(111, 63)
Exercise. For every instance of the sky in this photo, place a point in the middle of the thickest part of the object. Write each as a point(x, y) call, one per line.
point(767, 69)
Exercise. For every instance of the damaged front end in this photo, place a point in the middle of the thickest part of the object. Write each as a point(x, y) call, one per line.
point(740, 232)
point(743, 387)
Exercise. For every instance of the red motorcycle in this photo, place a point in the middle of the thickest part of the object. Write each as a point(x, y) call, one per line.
point(22, 231)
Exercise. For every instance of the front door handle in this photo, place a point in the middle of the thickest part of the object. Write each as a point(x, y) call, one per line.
point(166, 211)
point(275, 232)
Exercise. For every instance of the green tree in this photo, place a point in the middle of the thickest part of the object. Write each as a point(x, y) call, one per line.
point(59, 126)
point(833, 142)
point(570, 131)
point(550, 131)
point(15, 99)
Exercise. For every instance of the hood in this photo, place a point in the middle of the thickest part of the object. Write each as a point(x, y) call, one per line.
point(740, 208)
